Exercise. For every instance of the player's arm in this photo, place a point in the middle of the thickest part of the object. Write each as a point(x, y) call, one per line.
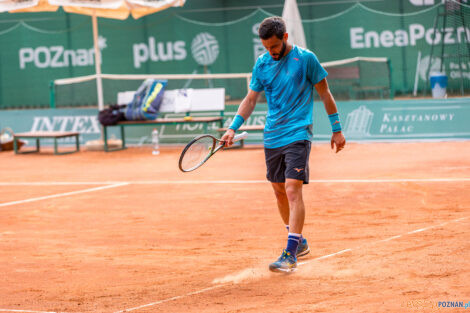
point(330, 106)
point(244, 111)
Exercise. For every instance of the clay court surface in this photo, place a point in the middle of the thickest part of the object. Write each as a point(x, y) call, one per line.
point(388, 226)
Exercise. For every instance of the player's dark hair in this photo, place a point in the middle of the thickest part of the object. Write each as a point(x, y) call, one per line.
point(272, 26)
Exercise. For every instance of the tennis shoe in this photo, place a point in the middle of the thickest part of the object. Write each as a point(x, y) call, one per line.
point(302, 248)
point(286, 263)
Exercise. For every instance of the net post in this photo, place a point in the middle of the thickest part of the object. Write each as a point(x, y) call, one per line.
point(99, 82)
point(222, 115)
point(428, 70)
point(51, 95)
point(392, 89)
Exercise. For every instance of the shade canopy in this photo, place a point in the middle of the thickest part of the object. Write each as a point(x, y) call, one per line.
point(115, 9)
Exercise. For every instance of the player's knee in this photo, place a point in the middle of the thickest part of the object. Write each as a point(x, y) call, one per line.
point(280, 193)
point(293, 193)
point(279, 190)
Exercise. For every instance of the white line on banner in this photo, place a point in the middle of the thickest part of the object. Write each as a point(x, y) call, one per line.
point(423, 108)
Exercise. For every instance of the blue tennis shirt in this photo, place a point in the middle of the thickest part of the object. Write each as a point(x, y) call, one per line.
point(288, 85)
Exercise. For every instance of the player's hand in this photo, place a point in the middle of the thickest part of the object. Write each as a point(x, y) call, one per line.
point(228, 137)
point(338, 140)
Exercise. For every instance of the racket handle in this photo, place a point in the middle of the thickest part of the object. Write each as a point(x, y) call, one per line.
point(241, 136)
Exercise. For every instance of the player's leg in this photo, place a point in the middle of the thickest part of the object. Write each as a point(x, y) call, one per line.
point(287, 261)
point(296, 173)
point(296, 205)
point(276, 168)
point(282, 201)
point(284, 211)
point(275, 171)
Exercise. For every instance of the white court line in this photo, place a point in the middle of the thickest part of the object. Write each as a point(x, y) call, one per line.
point(391, 238)
point(387, 239)
point(299, 263)
point(52, 183)
point(26, 311)
point(328, 255)
point(202, 182)
point(417, 230)
point(62, 194)
point(173, 298)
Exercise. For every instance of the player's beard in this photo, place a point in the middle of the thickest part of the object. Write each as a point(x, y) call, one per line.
point(281, 54)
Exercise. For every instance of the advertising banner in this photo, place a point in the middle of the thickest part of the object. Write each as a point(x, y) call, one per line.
point(362, 121)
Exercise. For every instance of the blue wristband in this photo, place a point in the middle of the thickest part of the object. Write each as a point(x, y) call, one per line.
point(238, 120)
point(335, 123)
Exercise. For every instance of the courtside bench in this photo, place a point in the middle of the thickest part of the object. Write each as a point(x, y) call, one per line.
point(204, 100)
point(247, 128)
point(41, 135)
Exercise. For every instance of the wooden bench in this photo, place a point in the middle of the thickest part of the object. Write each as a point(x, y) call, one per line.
point(247, 128)
point(204, 100)
point(40, 135)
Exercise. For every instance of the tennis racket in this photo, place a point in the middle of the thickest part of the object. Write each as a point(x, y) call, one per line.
point(200, 149)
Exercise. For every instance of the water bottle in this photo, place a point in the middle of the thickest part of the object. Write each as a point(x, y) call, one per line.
point(155, 142)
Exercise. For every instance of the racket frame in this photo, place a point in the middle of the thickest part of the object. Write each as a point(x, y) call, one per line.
point(214, 149)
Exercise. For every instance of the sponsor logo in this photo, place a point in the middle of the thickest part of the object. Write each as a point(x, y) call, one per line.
point(204, 48)
point(58, 56)
point(83, 124)
point(298, 170)
point(455, 70)
point(403, 123)
point(358, 122)
point(361, 39)
point(158, 51)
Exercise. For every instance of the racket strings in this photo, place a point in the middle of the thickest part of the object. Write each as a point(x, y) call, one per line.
point(197, 153)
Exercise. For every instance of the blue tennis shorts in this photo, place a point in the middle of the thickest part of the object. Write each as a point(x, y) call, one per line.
point(289, 161)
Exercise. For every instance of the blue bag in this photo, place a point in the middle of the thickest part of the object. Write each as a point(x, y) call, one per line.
point(147, 100)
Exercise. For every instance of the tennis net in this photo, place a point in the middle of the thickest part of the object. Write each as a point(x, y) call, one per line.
point(355, 78)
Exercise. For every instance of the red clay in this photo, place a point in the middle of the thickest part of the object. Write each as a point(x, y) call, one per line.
point(127, 246)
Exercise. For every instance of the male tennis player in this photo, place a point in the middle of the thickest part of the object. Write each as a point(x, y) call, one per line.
point(287, 74)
